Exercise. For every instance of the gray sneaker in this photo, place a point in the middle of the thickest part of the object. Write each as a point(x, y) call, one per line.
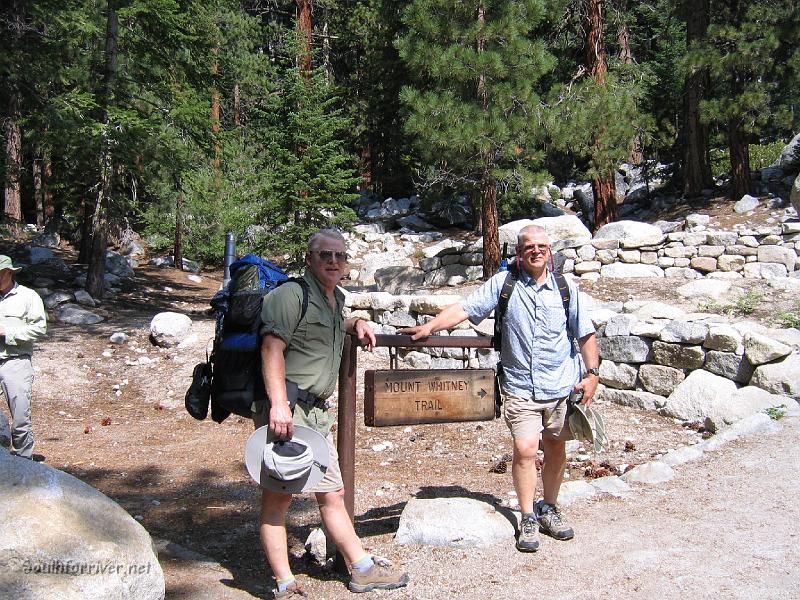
point(551, 521)
point(381, 576)
point(528, 538)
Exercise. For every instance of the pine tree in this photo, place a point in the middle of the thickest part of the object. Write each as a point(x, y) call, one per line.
point(594, 112)
point(474, 108)
point(741, 45)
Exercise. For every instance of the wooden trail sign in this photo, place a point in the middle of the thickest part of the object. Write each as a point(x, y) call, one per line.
point(410, 396)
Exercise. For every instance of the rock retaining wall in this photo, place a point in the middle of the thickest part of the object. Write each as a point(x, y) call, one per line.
point(759, 253)
point(690, 366)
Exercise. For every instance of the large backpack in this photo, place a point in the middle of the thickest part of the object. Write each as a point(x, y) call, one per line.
point(235, 363)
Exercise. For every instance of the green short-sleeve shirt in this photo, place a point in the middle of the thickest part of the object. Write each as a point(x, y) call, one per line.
point(314, 344)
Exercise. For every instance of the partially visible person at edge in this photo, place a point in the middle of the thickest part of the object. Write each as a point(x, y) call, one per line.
point(308, 352)
point(540, 371)
point(22, 322)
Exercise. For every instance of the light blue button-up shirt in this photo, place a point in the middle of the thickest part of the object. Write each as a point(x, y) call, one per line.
point(538, 357)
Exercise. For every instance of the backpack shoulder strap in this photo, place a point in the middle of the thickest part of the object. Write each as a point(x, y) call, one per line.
point(563, 290)
point(502, 306)
point(304, 287)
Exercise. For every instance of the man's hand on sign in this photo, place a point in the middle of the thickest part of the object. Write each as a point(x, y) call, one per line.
point(417, 332)
point(365, 335)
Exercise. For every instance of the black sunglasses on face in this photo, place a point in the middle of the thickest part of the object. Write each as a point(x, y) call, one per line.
point(329, 255)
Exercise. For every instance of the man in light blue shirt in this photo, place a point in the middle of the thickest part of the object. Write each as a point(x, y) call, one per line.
point(540, 370)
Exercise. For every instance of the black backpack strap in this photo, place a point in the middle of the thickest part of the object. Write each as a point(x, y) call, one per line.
point(502, 306)
point(303, 286)
point(563, 290)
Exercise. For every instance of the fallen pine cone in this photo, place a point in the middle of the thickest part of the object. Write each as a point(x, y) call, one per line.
point(498, 466)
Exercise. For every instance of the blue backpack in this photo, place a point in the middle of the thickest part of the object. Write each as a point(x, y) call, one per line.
point(236, 380)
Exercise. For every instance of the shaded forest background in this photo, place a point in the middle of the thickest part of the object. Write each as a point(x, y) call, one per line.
point(180, 120)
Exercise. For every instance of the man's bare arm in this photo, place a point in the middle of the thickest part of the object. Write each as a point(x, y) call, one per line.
point(273, 370)
point(591, 358)
point(449, 317)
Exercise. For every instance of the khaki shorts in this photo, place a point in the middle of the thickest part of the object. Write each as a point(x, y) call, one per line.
point(527, 418)
point(318, 419)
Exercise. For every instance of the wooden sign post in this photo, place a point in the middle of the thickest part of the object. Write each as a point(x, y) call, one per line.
point(409, 397)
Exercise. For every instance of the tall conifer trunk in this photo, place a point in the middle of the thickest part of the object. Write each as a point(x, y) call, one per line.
point(738, 146)
point(697, 174)
point(177, 253)
point(739, 150)
point(489, 217)
point(99, 231)
point(13, 131)
point(636, 155)
point(38, 190)
point(305, 27)
point(605, 201)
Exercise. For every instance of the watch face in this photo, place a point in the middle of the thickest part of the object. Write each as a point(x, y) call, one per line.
point(594, 371)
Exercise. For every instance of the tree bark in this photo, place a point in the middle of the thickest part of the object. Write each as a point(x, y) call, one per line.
point(697, 174)
point(95, 283)
point(306, 30)
point(13, 199)
point(47, 175)
point(738, 143)
point(739, 151)
point(215, 111)
point(13, 132)
point(237, 106)
point(38, 190)
point(605, 200)
point(177, 253)
point(489, 216)
point(625, 55)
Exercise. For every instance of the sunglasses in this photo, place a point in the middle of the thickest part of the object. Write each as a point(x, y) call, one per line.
point(536, 248)
point(328, 255)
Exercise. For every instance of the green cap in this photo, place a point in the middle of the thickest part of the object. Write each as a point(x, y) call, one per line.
point(585, 423)
point(5, 263)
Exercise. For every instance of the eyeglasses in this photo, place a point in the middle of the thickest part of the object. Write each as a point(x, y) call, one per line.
point(536, 248)
point(328, 255)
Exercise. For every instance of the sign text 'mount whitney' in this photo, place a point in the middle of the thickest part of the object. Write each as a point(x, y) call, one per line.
point(409, 396)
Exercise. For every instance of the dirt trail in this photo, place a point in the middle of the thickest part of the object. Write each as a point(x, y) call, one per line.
point(726, 527)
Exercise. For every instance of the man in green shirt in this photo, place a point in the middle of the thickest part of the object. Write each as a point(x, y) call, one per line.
point(308, 351)
point(22, 322)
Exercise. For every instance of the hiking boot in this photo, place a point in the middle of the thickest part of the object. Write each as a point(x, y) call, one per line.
point(293, 592)
point(528, 538)
point(381, 576)
point(551, 522)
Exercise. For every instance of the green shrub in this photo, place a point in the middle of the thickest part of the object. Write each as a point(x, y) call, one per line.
point(790, 318)
point(761, 155)
point(744, 304)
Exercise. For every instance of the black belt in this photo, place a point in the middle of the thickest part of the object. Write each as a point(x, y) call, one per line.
point(310, 399)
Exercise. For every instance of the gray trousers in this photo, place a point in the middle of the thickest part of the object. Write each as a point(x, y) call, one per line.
point(16, 380)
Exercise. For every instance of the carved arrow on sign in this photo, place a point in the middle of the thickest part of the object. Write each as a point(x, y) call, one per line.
point(482, 393)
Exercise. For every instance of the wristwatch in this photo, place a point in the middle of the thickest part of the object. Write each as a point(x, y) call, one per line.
point(593, 371)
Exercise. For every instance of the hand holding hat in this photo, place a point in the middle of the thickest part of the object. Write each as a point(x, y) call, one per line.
point(288, 466)
point(585, 423)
